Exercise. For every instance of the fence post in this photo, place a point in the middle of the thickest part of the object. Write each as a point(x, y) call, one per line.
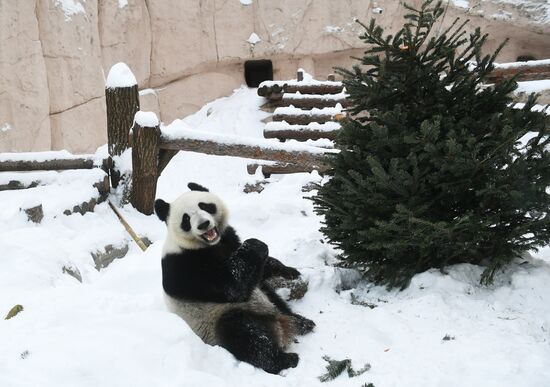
point(145, 155)
point(122, 100)
point(300, 75)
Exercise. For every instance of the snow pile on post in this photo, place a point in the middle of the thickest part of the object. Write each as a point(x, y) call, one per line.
point(146, 119)
point(120, 75)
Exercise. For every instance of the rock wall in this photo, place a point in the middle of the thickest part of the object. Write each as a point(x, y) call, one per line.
point(54, 54)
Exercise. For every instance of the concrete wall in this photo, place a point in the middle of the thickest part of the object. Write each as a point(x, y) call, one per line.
point(54, 54)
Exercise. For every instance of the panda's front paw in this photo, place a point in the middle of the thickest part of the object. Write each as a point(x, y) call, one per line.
point(257, 246)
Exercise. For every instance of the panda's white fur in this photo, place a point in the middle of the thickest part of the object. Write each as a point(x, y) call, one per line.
point(203, 316)
point(177, 239)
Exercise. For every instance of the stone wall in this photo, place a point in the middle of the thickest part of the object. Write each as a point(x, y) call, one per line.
point(54, 54)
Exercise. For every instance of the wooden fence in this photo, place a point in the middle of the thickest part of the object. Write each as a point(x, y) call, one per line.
point(152, 150)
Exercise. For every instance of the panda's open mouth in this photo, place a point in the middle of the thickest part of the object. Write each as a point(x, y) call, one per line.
point(211, 235)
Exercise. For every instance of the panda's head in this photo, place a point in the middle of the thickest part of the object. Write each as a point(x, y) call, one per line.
point(195, 220)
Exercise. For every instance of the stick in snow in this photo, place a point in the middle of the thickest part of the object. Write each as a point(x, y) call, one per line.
point(132, 233)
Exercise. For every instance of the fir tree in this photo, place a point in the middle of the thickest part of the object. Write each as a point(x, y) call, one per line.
point(431, 172)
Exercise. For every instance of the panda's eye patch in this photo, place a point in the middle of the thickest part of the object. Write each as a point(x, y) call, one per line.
point(208, 207)
point(186, 222)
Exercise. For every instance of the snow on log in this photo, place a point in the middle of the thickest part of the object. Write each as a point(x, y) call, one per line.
point(263, 149)
point(307, 85)
point(146, 119)
point(308, 81)
point(120, 75)
point(526, 71)
point(295, 116)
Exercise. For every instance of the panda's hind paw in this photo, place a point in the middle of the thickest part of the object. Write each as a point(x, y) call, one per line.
point(289, 360)
point(303, 325)
point(289, 273)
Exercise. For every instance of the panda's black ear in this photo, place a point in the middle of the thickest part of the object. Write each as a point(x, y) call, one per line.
point(162, 209)
point(197, 187)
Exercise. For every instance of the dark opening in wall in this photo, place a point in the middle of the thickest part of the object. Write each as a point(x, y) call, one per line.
point(525, 58)
point(257, 71)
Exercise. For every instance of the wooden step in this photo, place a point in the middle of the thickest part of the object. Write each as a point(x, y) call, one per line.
point(309, 101)
point(313, 131)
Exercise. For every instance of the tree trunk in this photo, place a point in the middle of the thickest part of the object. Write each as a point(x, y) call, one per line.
point(122, 105)
point(145, 154)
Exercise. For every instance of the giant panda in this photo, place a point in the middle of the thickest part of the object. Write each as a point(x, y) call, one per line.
point(216, 283)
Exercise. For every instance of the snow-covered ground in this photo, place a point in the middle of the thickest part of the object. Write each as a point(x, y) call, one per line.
point(113, 329)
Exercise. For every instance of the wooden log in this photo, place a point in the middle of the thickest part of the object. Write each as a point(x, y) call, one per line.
point(313, 102)
point(301, 134)
point(527, 72)
point(273, 93)
point(275, 89)
point(52, 165)
point(283, 168)
point(122, 104)
point(145, 153)
point(102, 185)
point(305, 159)
point(165, 155)
point(320, 88)
point(262, 91)
point(304, 119)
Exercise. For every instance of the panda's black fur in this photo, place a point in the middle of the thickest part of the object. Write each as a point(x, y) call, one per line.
point(219, 287)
